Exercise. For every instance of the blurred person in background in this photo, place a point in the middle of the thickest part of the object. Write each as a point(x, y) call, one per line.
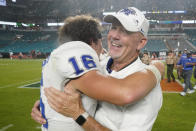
point(179, 69)
point(20, 55)
point(145, 58)
point(170, 61)
point(33, 54)
point(194, 70)
point(186, 61)
point(11, 55)
point(154, 56)
point(183, 56)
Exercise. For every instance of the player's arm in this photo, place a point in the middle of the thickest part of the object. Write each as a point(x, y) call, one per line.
point(96, 85)
point(69, 104)
point(117, 91)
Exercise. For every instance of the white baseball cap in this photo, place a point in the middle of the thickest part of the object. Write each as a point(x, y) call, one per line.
point(132, 20)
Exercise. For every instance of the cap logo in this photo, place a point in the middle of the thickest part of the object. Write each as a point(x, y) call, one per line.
point(127, 11)
point(142, 30)
point(137, 21)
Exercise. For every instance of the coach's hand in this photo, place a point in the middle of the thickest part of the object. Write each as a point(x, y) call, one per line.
point(36, 114)
point(67, 103)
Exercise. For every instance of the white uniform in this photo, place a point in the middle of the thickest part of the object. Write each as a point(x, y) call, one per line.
point(70, 60)
point(139, 116)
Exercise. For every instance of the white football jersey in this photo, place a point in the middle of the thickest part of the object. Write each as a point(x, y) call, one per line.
point(139, 116)
point(68, 61)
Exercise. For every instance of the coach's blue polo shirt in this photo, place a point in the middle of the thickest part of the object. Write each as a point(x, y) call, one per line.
point(183, 60)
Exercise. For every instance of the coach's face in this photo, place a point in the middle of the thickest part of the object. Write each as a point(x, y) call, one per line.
point(123, 45)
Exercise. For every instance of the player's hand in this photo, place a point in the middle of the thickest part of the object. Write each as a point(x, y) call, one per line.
point(67, 103)
point(36, 114)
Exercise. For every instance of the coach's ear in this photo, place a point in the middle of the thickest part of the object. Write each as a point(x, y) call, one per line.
point(142, 43)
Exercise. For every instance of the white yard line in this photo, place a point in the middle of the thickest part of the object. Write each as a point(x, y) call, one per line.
point(30, 84)
point(38, 127)
point(3, 64)
point(30, 87)
point(179, 82)
point(15, 84)
point(170, 92)
point(6, 127)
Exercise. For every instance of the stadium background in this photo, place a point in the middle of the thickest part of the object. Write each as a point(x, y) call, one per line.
point(30, 27)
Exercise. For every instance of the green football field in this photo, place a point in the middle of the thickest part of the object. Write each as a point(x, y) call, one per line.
point(18, 92)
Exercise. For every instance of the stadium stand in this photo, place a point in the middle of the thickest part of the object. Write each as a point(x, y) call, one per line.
point(37, 36)
point(26, 41)
point(155, 45)
point(179, 44)
point(45, 41)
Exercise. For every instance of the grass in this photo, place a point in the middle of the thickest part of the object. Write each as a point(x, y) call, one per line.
point(177, 113)
point(16, 103)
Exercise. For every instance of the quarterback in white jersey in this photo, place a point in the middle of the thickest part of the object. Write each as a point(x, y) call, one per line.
point(138, 116)
point(63, 65)
point(80, 40)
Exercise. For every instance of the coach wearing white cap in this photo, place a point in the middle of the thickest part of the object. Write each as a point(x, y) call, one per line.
point(132, 20)
point(127, 36)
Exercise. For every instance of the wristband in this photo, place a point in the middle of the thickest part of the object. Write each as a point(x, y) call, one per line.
point(155, 71)
point(82, 118)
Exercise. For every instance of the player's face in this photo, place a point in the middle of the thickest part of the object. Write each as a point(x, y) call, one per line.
point(97, 46)
point(123, 45)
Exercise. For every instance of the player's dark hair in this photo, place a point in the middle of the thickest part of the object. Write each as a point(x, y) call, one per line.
point(80, 28)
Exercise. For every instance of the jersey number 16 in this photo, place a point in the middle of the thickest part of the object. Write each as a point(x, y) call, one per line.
point(87, 61)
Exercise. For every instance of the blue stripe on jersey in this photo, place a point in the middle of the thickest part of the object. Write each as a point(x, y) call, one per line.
point(109, 64)
point(42, 107)
point(41, 81)
point(45, 61)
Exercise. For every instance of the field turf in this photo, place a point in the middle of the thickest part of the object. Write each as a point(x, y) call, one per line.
point(16, 103)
